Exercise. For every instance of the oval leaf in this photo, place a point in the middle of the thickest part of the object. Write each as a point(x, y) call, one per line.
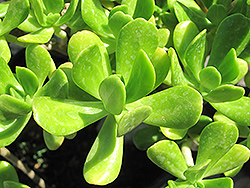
point(144, 9)
point(7, 173)
point(174, 134)
point(210, 78)
point(52, 142)
point(4, 49)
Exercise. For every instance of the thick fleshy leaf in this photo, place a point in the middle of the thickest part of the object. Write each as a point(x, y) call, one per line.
point(28, 80)
point(178, 107)
point(42, 35)
point(62, 117)
point(38, 60)
point(52, 142)
point(54, 6)
point(225, 93)
point(137, 34)
point(132, 119)
point(30, 24)
point(164, 35)
point(216, 13)
point(95, 17)
point(11, 184)
point(104, 160)
point(174, 134)
point(80, 41)
point(161, 63)
point(145, 137)
point(3, 8)
point(18, 11)
point(167, 155)
point(142, 78)
point(131, 4)
point(237, 111)
point(10, 130)
point(210, 78)
point(235, 157)
point(184, 33)
point(113, 94)
point(38, 11)
point(12, 108)
point(7, 79)
point(233, 172)
point(144, 9)
point(225, 39)
point(216, 140)
point(194, 54)
point(88, 72)
point(243, 69)
point(4, 49)
point(218, 183)
point(122, 8)
point(7, 173)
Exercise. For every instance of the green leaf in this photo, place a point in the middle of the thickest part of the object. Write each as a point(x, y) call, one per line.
point(132, 119)
point(194, 54)
point(3, 8)
point(145, 137)
point(11, 184)
point(136, 35)
point(218, 183)
point(177, 107)
point(122, 8)
point(4, 49)
point(62, 117)
point(18, 11)
point(216, 13)
point(7, 173)
point(235, 157)
point(237, 111)
point(52, 142)
point(54, 6)
point(233, 172)
point(38, 60)
point(247, 79)
point(225, 93)
point(80, 41)
point(12, 108)
point(210, 78)
point(216, 140)
point(144, 9)
point(95, 17)
point(167, 155)
point(131, 4)
point(142, 78)
point(113, 94)
point(28, 80)
point(103, 162)
point(243, 69)
point(38, 11)
point(30, 24)
point(225, 39)
point(88, 71)
point(42, 35)
point(174, 134)
point(10, 130)
point(164, 35)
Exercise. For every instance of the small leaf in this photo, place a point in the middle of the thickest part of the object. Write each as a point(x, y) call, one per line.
point(225, 93)
point(30, 24)
point(42, 35)
point(12, 108)
point(113, 94)
point(103, 162)
point(243, 69)
point(132, 119)
point(210, 78)
point(167, 155)
point(3, 8)
point(219, 183)
point(144, 9)
point(62, 117)
point(142, 78)
point(4, 49)
point(216, 13)
point(28, 80)
point(38, 11)
point(54, 6)
point(174, 134)
point(7, 173)
point(52, 142)
point(164, 35)
point(177, 107)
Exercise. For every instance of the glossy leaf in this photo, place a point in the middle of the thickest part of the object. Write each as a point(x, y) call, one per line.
point(177, 107)
point(7, 173)
point(38, 60)
point(236, 110)
point(167, 155)
point(28, 80)
point(218, 183)
point(62, 117)
point(4, 49)
point(10, 130)
point(210, 78)
point(113, 94)
point(216, 13)
point(224, 39)
point(103, 162)
point(42, 35)
point(174, 134)
point(30, 24)
point(11, 184)
point(136, 35)
point(132, 119)
point(52, 142)
point(194, 54)
point(142, 78)
point(80, 41)
point(95, 17)
point(18, 11)
point(243, 69)
point(233, 172)
point(54, 6)
point(225, 93)
point(235, 157)
point(38, 11)
point(215, 141)
point(131, 4)
point(144, 9)
point(3, 8)
point(11, 108)
point(145, 137)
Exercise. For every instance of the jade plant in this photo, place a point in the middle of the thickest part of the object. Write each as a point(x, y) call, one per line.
point(132, 62)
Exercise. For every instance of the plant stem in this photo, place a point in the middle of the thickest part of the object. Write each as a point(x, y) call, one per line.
point(187, 153)
point(4, 152)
